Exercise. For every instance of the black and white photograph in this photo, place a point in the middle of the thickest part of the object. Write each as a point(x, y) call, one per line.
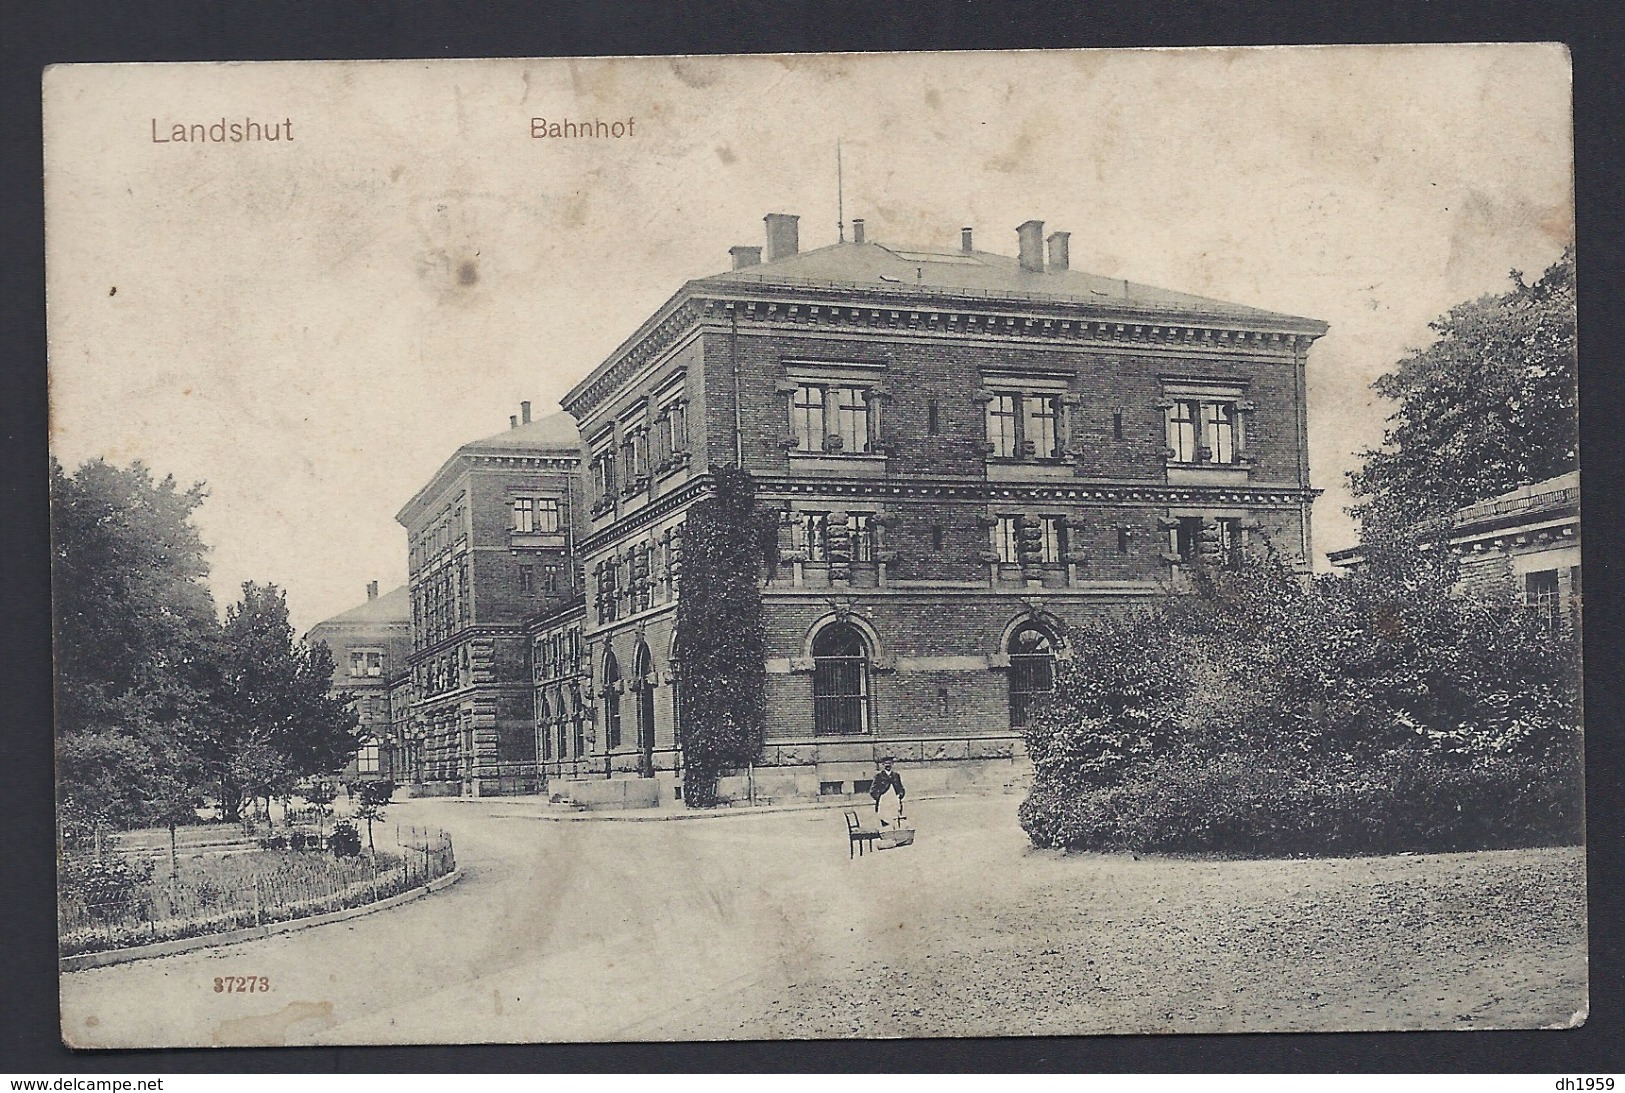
point(817, 546)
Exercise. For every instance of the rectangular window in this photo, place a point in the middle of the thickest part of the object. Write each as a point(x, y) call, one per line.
point(603, 473)
point(1040, 417)
point(1052, 545)
point(810, 533)
point(366, 662)
point(851, 423)
point(1540, 593)
point(1229, 542)
point(1219, 431)
point(863, 537)
point(629, 458)
point(366, 760)
point(807, 418)
point(831, 419)
point(1217, 541)
point(1185, 538)
point(1182, 418)
point(676, 428)
point(526, 580)
point(524, 515)
point(933, 423)
point(547, 515)
point(1007, 539)
point(1003, 412)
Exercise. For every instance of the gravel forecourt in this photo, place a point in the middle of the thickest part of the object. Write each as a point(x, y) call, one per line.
point(759, 926)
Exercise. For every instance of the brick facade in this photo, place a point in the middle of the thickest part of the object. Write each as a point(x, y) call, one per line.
point(490, 546)
point(964, 455)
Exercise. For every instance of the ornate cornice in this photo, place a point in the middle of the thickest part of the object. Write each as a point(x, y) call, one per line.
point(1051, 320)
point(654, 337)
point(902, 310)
point(926, 490)
point(488, 630)
point(560, 462)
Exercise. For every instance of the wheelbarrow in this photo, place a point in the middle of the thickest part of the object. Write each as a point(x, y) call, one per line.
point(892, 837)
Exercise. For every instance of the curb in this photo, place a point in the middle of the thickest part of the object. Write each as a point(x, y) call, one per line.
point(662, 815)
point(83, 961)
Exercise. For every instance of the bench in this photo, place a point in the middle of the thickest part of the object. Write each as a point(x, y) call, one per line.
point(856, 837)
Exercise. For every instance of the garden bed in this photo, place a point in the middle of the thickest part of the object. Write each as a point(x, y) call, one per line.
point(117, 904)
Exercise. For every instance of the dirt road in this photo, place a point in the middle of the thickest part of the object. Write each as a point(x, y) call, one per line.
point(760, 926)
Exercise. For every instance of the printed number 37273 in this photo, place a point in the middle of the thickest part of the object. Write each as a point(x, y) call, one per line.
point(239, 984)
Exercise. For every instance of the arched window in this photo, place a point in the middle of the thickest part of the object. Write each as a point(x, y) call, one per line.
point(676, 689)
point(562, 725)
point(1032, 671)
point(840, 681)
point(578, 719)
point(543, 718)
point(612, 702)
point(642, 670)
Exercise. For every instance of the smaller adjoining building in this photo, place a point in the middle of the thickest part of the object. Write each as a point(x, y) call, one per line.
point(490, 547)
point(370, 644)
point(1526, 541)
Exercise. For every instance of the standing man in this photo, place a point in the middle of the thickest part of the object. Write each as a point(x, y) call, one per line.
point(887, 779)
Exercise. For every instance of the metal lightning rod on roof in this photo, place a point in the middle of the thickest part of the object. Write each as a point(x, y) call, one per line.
point(840, 202)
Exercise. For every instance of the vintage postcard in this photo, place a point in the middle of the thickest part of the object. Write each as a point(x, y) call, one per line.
point(817, 546)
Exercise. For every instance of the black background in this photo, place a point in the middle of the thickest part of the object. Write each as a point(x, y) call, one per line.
point(34, 35)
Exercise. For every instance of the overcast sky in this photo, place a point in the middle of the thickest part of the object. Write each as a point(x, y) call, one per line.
point(291, 322)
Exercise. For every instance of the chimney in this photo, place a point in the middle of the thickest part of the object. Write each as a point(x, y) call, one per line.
point(1058, 253)
point(372, 590)
point(513, 421)
point(746, 256)
point(524, 413)
point(782, 236)
point(1032, 246)
point(964, 240)
point(857, 230)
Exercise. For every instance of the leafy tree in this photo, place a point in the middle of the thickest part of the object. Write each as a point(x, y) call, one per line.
point(320, 793)
point(135, 644)
point(721, 634)
point(1489, 406)
point(375, 797)
point(275, 720)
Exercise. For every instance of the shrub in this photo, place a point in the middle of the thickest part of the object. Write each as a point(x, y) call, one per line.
point(345, 840)
point(1351, 715)
point(109, 888)
point(1232, 804)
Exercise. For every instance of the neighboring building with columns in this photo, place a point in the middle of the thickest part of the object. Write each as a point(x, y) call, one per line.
point(490, 546)
point(1525, 542)
point(967, 451)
